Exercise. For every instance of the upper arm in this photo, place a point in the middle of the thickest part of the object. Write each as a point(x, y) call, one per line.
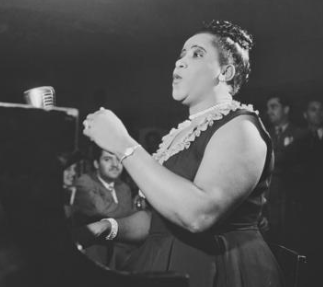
point(231, 167)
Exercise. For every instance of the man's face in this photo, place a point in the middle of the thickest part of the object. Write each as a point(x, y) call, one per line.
point(108, 166)
point(314, 114)
point(276, 112)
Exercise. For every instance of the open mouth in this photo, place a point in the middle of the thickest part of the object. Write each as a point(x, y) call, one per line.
point(176, 78)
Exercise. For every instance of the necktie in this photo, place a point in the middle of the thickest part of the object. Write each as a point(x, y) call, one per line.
point(113, 193)
point(278, 131)
point(316, 139)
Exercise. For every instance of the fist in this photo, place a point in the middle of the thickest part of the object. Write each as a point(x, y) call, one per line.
point(107, 131)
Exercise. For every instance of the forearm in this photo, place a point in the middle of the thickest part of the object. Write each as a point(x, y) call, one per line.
point(230, 169)
point(166, 191)
point(133, 228)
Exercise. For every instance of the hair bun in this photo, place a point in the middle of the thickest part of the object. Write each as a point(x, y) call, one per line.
point(232, 31)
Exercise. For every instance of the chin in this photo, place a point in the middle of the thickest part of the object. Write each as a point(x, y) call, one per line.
point(114, 176)
point(179, 95)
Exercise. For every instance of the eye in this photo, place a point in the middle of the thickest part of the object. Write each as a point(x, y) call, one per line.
point(198, 54)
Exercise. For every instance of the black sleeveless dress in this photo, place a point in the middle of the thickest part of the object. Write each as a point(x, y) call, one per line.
point(233, 254)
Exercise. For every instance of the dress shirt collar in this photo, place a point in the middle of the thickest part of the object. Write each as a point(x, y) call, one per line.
point(281, 128)
point(320, 132)
point(109, 186)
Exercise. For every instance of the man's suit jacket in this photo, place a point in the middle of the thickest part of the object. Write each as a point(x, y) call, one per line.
point(283, 143)
point(93, 201)
point(281, 188)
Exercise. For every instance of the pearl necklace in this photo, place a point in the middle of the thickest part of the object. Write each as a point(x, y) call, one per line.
point(217, 106)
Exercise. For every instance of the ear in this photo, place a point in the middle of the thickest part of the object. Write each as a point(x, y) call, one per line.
point(305, 116)
point(286, 110)
point(96, 164)
point(228, 73)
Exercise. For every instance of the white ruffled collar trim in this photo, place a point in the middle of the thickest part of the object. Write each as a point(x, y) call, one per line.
point(164, 152)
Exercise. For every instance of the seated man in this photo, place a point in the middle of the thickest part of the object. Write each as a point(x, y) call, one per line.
point(100, 195)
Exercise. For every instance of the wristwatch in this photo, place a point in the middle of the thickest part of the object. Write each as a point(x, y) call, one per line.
point(128, 152)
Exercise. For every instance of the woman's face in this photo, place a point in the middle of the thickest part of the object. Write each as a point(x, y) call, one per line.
point(196, 70)
point(69, 175)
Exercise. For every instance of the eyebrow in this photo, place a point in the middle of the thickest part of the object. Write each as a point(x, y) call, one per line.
point(195, 46)
point(200, 47)
point(109, 154)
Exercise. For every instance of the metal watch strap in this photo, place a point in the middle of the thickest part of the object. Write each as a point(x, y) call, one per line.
point(128, 152)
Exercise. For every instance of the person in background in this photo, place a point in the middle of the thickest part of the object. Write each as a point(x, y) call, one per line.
point(282, 131)
point(100, 195)
point(283, 134)
point(206, 183)
point(305, 220)
point(307, 152)
point(313, 115)
point(69, 175)
point(70, 163)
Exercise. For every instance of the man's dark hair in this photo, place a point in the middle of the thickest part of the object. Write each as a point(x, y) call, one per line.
point(312, 99)
point(284, 100)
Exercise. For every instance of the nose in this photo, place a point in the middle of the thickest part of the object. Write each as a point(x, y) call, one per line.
point(180, 63)
point(115, 162)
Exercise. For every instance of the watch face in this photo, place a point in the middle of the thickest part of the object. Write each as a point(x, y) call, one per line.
point(129, 151)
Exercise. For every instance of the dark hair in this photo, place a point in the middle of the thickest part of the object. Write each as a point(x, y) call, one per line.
point(96, 152)
point(282, 99)
point(68, 159)
point(234, 45)
point(312, 99)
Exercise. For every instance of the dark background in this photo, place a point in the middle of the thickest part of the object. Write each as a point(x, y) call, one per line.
point(120, 53)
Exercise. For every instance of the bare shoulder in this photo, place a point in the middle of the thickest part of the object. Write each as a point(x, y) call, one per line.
point(241, 133)
point(235, 153)
point(231, 166)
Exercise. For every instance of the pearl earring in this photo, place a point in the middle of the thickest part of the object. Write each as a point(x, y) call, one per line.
point(221, 78)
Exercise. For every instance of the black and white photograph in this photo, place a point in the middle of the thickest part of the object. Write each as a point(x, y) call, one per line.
point(160, 143)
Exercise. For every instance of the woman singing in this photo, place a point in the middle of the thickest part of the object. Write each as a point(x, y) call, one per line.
point(206, 183)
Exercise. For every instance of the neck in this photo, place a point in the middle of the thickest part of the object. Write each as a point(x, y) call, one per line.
point(314, 128)
point(283, 123)
point(211, 102)
point(108, 181)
